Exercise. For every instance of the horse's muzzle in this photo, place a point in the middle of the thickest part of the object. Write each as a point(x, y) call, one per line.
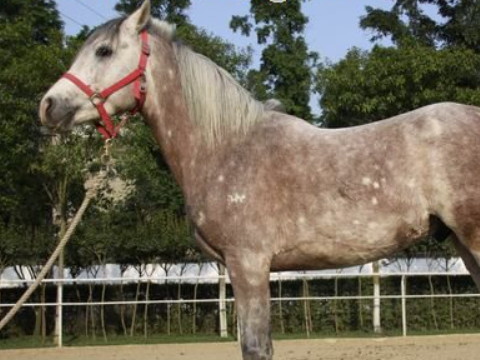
point(53, 112)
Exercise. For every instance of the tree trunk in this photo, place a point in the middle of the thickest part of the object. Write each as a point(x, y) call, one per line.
point(280, 306)
point(44, 313)
point(432, 302)
point(169, 319)
point(134, 314)
point(452, 320)
point(179, 307)
point(38, 321)
point(90, 313)
point(87, 310)
point(145, 312)
point(335, 315)
point(360, 303)
point(102, 312)
point(122, 310)
point(195, 290)
point(306, 308)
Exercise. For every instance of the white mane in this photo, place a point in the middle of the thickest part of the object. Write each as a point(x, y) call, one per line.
point(215, 100)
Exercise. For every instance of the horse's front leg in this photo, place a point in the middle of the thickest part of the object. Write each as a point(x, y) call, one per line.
point(249, 274)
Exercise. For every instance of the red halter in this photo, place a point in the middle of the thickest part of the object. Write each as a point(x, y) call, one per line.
point(98, 99)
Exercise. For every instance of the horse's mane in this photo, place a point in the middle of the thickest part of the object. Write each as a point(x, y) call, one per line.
point(215, 100)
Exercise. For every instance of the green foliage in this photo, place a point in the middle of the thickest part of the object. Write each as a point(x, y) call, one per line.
point(462, 25)
point(406, 23)
point(365, 87)
point(30, 59)
point(41, 16)
point(286, 59)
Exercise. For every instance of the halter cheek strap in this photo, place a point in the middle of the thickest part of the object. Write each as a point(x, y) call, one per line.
point(98, 99)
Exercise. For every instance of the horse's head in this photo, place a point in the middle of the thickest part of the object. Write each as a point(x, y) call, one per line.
point(109, 55)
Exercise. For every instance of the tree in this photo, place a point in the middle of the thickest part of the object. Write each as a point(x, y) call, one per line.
point(286, 59)
point(41, 15)
point(364, 87)
point(407, 22)
point(30, 59)
point(462, 25)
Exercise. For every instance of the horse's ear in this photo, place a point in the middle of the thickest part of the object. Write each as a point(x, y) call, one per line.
point(140, 18)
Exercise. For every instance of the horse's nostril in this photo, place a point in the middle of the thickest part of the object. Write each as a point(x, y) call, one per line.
point(46, 107)
point(49, 102)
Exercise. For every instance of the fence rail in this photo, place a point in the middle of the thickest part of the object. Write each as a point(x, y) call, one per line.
point(278, 277)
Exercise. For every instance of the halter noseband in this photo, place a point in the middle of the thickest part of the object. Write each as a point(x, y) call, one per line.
point(98, 99)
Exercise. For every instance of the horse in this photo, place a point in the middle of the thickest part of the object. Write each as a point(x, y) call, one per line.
point(267, 191)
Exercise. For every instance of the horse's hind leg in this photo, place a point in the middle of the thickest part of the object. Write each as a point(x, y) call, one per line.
point(470, 257)
point(249, 274)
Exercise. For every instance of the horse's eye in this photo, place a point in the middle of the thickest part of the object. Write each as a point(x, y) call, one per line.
point(104, 51)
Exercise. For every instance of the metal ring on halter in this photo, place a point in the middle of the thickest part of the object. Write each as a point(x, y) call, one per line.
point(97, 99)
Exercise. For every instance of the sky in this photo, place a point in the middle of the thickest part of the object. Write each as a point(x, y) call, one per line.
point(332, 29)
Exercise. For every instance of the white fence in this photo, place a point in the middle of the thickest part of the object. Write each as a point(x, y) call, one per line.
point(222, 300)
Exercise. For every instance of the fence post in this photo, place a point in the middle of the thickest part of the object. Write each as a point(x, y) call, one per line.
point(59, 307)
point(376, 297)
point(404, 304)
point(222, 306)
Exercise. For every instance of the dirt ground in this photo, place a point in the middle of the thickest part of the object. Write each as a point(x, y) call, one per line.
point(448, 347)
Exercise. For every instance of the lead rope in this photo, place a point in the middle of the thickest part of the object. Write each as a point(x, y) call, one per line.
point(92, 186)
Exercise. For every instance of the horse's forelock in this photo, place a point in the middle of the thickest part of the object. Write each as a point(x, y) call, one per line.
point(108, 31)
point(111, 30)
point(161, 28)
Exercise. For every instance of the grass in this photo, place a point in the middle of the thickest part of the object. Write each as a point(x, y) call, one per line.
point(25, 342)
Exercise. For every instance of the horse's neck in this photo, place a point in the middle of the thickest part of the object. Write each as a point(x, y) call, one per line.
point(166, 113)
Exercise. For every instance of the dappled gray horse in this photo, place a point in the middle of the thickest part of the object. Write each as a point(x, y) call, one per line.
point(268, 191)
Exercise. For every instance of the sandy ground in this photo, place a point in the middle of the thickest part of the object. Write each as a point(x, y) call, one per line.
point(449, 347)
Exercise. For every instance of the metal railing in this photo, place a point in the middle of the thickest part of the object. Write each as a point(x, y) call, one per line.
point(403, 296)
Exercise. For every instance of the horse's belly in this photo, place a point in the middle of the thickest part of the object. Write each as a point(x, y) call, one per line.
point(348, 245)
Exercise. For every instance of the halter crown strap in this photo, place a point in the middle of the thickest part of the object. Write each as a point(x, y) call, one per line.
point(98, 99)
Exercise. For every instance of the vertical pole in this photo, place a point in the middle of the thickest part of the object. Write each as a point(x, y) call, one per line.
point(222, 306)
point(59, 308)
point(404, 305)
point(376, 297)
point(59, 218)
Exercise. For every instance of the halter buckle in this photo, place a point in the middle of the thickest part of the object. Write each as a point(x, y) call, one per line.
point(97, 99)
point(143, 84)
